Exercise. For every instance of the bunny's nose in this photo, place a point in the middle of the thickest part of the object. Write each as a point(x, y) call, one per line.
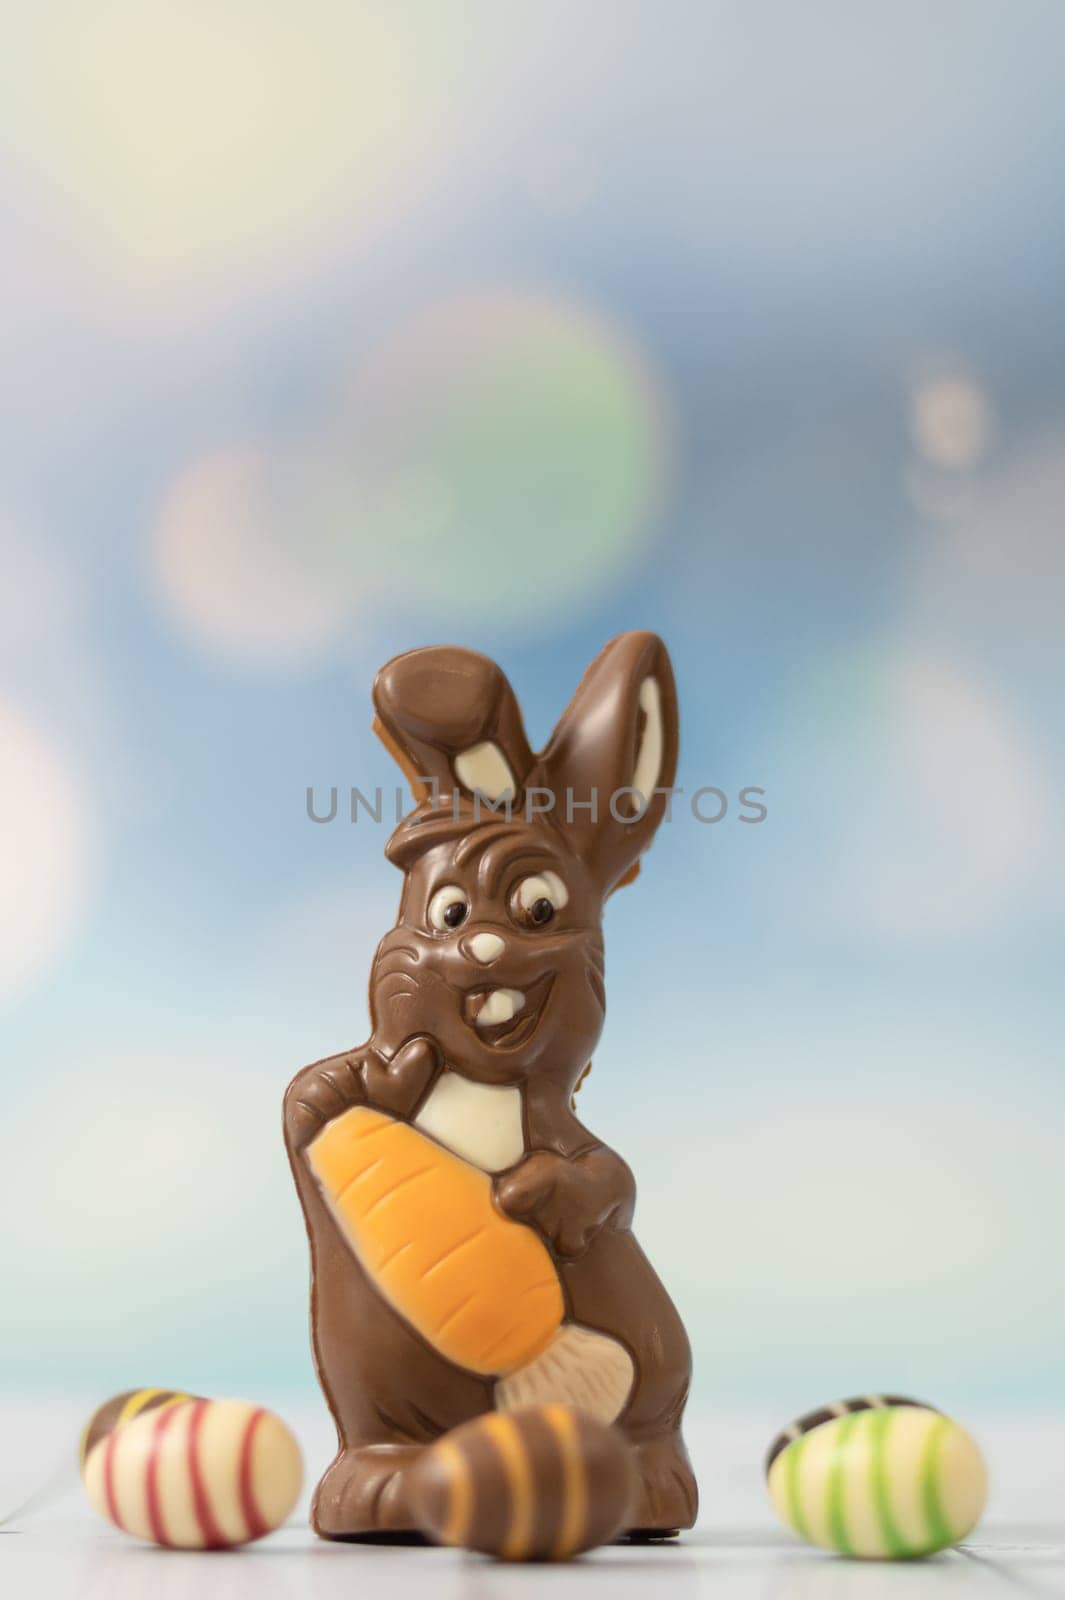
point(483, 947)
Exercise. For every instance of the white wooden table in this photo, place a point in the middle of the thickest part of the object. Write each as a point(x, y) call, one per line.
point(57, 1546)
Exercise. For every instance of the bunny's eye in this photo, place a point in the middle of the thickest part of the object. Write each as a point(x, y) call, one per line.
point(535, 900)
point(448, 908)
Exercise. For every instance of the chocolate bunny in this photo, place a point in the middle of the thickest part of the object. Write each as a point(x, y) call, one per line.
point(470, 1239)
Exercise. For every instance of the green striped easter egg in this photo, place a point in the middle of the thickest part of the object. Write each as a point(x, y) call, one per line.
point(879, 1477)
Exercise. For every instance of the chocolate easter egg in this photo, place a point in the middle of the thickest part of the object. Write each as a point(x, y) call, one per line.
point(122, 1408)
point(196, 1474)
point(538, 1484)
point(880, 1477)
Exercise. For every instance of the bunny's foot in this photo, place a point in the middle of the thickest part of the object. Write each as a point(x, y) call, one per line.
point(363, 1495)
point(668, 1499)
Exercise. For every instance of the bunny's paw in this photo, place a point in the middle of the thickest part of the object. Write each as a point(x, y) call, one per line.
point(668, 1499)
point(319, 1093)
point(364, 1493)
point(553, 1192)
point(397, 1083)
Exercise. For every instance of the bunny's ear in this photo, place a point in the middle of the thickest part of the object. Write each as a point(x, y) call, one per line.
point(450, 715)
point(616, 744)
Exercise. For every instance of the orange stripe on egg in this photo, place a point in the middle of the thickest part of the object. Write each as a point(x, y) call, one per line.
point(503, 1431)
point(563, 1424)
point(456, 1529)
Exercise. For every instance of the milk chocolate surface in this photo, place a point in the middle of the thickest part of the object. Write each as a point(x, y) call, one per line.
point(471, 1240)
point(542, 1483)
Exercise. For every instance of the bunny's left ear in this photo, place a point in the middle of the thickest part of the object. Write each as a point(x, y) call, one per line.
point(449, 716)
point(616, 744)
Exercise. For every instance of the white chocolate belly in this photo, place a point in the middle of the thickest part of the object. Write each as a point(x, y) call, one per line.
point(481, 1122)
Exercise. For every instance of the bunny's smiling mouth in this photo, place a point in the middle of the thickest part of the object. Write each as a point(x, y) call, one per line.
point(505, 1018)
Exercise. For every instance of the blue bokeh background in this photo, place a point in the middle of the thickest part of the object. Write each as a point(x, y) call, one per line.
point(337, 329)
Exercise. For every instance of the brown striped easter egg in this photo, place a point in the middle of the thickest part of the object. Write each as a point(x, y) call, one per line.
point(541, 1483)
point(196, 1474)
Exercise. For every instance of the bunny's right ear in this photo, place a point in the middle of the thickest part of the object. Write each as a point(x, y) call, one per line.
point(449, 716)
point(613, 757)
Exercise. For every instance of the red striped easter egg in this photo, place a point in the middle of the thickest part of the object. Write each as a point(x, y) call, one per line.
point(200, 1475)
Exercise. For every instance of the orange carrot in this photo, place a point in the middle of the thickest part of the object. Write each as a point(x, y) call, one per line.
point(479, 1287)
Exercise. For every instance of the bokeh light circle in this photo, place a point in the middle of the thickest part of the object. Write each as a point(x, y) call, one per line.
point(239, 559)
point(157, 1161)
point(185, 141)
point(963, 822)
point(45, 850)
point(997, 571)
point(497, 462)
point(508, 454)
point(928, 801)
point(950, 420)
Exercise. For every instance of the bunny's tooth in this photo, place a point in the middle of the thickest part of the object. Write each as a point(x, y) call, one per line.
point(500, 1006)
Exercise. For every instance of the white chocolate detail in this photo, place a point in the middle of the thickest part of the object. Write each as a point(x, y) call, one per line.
point(485, 947)
point(247, 1463)
point(649, 756)
point(485, 767)
point(543, 886)
point(880, 1483)
point(481, 1122)
point(449, 895)
point(580, 1367)
point(501, 1006)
